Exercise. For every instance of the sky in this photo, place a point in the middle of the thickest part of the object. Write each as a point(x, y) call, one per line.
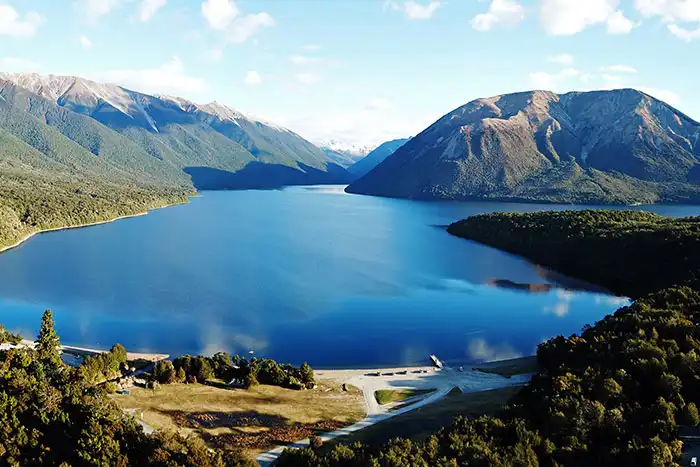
point(360, 71)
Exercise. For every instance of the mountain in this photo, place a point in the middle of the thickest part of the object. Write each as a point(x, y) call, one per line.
point(376, 157)
point(340, 158)
point(353, 150)
point(344, 154)
point(620, 146)
point(173, 140)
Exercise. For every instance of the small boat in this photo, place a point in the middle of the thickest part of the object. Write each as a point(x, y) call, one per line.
point(436, 361)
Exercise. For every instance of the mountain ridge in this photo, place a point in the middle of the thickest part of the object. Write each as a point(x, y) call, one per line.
point(376, 157)
point(621, 146)
point(186, 137)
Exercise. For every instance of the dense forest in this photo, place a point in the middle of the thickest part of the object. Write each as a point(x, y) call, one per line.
point(617, 393)
point(623, 251)
point(50, 415)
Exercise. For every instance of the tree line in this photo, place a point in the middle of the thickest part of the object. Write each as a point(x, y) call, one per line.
point(236, 370)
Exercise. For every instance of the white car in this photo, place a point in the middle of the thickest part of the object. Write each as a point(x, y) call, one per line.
point(694, 462)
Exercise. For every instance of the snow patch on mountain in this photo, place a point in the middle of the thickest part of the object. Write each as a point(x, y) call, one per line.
point(347, 147)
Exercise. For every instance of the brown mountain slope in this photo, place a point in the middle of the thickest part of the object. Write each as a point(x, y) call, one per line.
point(619, 146)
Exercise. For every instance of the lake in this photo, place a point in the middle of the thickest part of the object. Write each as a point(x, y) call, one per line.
point(301, 274)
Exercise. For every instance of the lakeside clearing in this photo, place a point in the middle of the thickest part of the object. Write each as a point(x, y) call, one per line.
point(256, 419)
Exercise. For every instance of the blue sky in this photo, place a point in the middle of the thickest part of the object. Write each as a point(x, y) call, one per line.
point(360, 71)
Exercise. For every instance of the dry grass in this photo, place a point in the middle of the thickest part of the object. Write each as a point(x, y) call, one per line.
point(386, 396)
point(257, 418)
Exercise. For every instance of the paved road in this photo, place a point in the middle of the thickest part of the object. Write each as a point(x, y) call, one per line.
point(442, 381)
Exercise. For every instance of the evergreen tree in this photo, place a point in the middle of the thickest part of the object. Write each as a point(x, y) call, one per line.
point(48, 343)
point(307, 375)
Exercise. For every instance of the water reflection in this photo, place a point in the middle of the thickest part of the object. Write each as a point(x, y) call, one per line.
point(530, 288)
point(303, 274)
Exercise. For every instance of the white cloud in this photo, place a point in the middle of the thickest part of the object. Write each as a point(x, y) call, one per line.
point(506, 12)
point(12, 23)
point(148, 8)
point(560, 310)
point(17, 65)
point(224, 15)
point(413, 9)
point(561, 59)
point(302, 59)
point(618, 23)
point(243, 28)
point(687, 35)
point(482, 351)
point(670, 11)
point(674, 12)
point(619, 69)
point(219, 13)
point(94, 10)
point(169, 78)
point(252, 78)
point(85, 42)
point(569, 17)
point(552, 81)
point(665, 95)
point(308, 78)
point(215, 54)
point(565, 295)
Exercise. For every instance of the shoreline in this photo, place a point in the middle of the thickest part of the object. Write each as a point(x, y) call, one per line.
point(85, 352)
point(91, 224)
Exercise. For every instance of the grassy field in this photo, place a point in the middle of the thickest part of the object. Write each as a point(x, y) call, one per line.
point(419, 424)
point(256, 419)
point(508, 368)
point(386, 396)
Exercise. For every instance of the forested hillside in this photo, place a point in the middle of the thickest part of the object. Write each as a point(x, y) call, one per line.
point(74, 152)
point(624, 251)
point(617, 393)
point(40, 191)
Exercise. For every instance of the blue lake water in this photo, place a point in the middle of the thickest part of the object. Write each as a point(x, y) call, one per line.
point(302, 274)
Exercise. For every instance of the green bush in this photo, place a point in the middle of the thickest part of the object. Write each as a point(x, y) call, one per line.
point(110, 387)
point(164, 372)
